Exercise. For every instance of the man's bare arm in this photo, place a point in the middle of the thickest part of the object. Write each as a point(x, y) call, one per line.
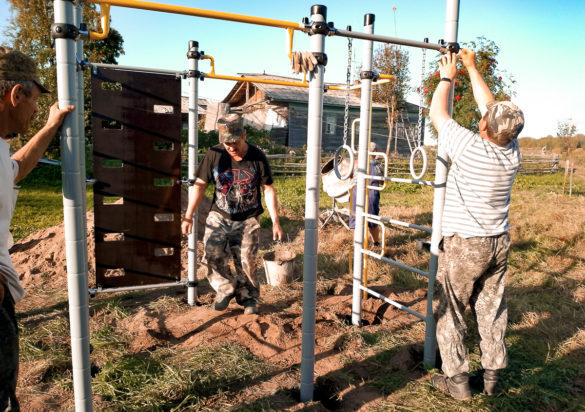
point(28, 156)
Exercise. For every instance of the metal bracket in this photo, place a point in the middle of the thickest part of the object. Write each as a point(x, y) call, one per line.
point(83, 32)
point(192, 283)
point(321, 58)
point(194, 74)
point(64, 31)
point(189, 182)
point(452, 47)
point(193, 54)
point(369, 74)
point(319, 27)
point(82, 65)
point(332, 29)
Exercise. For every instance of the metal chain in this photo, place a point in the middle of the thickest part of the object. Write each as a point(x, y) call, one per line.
point(421, 99)
point(348, 85)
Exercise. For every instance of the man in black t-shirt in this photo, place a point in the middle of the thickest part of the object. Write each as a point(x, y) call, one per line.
point(238, 170)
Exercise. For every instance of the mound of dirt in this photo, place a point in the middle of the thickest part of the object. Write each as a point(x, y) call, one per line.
point(274, 335)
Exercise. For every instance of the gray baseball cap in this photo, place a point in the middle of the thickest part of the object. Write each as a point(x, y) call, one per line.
point(504, 119)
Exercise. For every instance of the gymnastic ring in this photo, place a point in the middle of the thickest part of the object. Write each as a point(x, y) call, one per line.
point(424, 165)
point(336, 164)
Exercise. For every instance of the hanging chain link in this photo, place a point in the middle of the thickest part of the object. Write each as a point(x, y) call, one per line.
point(421, 99)
point(348, 85)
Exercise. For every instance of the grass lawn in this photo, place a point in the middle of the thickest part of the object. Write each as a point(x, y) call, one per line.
point(545, 337)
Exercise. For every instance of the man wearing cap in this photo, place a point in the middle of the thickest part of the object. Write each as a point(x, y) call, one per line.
point(474, 249)
point(19, 90)
point(238, 170)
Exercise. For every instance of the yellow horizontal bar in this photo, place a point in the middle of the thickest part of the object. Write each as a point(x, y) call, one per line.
point(359, 86)
point(105, 20)
point(168, 8)
point(256, 80)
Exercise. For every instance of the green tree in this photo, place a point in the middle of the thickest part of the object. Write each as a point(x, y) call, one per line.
point(390, 59)
point(465, 111)
point(30, 32)
point(566, 128)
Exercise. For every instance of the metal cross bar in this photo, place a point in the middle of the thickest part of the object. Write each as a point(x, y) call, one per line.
point(395, 263)
point(190, 11)
point(392, 302)
point(443, 47)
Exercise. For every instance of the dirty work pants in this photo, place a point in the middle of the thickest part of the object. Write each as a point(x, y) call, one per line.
point(472, 271)
point(8, 354)
point(225, 238)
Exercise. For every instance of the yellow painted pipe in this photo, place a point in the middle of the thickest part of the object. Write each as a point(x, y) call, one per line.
point(388, 78)
point(105, 21)
point(212, 75)
point(168, 8)
point(256, 80)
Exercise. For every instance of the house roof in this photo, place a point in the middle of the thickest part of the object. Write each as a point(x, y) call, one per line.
point(285, 93)
point(202, 105)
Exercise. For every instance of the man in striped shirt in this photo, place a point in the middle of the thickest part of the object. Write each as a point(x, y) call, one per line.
point(474, 250)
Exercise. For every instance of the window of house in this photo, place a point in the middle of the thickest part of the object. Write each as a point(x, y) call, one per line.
point(330, 125)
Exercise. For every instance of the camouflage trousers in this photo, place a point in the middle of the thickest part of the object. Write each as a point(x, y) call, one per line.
point(472, 271)
point(225, 238)
point(8, 354)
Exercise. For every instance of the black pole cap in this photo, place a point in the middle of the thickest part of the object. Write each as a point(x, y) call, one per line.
point(369, 19)
point(319, 9)
point(193, 43)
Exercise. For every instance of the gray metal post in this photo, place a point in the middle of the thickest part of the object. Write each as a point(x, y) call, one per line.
point(362, 169)
point(73, 206)
point(451, 24)
point(80, 110)
point(192, 55)
point(314, 131)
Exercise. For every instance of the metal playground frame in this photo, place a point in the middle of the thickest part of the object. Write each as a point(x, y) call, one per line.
point(69, 33)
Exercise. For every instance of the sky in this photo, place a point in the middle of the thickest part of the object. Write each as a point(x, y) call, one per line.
point(541, 44)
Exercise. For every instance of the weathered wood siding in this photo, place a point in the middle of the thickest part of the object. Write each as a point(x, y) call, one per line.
point(332, 130)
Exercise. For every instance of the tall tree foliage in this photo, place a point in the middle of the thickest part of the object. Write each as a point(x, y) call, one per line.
point(390, 59)
point(30, 32)
point(465, 111)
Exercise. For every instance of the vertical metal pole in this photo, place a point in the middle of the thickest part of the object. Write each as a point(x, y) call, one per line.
point(80, 109)
point(362, 169)
point(192, 55)
point(451, 25)
point(314, 132)
point(73, 210)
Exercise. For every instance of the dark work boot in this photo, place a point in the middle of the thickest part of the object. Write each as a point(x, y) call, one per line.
point(491, 382)
point(456, 386)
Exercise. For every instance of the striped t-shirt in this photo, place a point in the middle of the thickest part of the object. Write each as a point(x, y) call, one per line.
point(479, 183)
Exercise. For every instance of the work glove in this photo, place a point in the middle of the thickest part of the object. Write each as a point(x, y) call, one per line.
point(303, 61)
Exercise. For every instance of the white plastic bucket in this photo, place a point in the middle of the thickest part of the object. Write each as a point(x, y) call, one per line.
point(279, 267)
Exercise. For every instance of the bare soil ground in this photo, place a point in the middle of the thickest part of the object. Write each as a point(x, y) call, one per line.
point(273, 335)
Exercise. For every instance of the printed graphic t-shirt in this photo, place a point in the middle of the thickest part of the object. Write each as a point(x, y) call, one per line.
point(237, 194)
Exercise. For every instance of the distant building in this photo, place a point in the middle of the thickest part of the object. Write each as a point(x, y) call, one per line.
point(201, 110)
point(282, 110)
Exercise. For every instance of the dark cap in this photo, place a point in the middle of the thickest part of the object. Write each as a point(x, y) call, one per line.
point(230, 127)
point(504, 120)
point(15, 65)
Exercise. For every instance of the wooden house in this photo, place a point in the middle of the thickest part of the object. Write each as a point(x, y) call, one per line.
point(282, 110)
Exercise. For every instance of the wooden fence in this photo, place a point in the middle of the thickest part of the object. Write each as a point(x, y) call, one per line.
point(399, 166)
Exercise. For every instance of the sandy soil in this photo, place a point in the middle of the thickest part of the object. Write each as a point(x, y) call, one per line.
point(274, 335)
